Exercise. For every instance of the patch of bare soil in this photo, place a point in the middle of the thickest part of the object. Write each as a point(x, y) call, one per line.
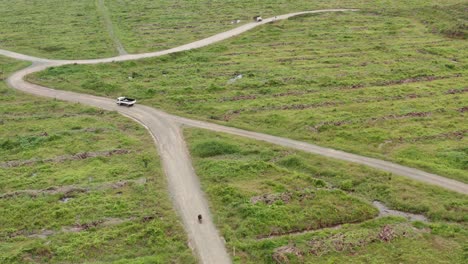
point(71, 190)
point(385, 211)
point(463, 109)
point(78, 156)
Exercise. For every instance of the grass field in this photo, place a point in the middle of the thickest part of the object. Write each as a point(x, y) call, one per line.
point(54, 29)
point(148, 25)
point(78, 184)
point(259, 193)
point(78, 29)
point(379, 84)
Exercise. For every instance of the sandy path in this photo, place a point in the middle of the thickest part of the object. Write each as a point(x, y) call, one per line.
point(165, 128)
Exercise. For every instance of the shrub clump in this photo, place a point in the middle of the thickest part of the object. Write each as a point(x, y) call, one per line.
point(210, 148)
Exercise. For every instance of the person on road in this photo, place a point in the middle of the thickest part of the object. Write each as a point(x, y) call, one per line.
point(199, 218)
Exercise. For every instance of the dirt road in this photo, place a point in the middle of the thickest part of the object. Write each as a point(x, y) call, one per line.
point(183, 182)
point(184, 186)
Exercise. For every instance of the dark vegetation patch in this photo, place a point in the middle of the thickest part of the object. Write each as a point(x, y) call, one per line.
point(212, 148)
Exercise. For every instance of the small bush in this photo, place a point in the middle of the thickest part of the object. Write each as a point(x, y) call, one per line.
point(347, 185)
point(212, 148)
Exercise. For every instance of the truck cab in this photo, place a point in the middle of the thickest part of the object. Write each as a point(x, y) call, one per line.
point(125, 101)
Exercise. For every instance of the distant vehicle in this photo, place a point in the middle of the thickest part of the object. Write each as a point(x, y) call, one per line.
point(126, 101)
point(257, 18)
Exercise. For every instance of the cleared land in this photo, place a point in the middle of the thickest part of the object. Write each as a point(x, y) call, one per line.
point(391, 89)
point(147, 25)
point(80, 29)
point(55, 29)
point(259, 193)
point(80, 184)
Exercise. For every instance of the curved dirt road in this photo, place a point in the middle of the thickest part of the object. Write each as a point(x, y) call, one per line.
point(183, 182)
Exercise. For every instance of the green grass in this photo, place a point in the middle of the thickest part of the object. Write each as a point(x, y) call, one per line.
point(320, 192)
point(378, 84)
point(77, 29)
point(156, 25)
point(54, 29)
point(139, 223)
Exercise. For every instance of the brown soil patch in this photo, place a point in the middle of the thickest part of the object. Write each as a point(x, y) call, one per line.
point(70, 191)
point(78, 156)
point(385, 211)
point(463, 109)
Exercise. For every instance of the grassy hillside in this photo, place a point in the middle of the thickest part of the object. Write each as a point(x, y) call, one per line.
point(259, 193)
point(77, 29)
point(78, 184)
point(54, 29)
point(147, 25)
point(377, 84)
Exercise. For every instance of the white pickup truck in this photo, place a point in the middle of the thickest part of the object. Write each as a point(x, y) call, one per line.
point(126, 101)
